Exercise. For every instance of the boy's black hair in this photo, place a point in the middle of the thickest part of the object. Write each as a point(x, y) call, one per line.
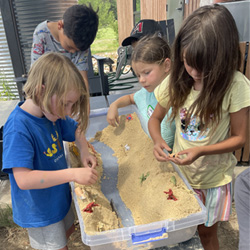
point(81, 24)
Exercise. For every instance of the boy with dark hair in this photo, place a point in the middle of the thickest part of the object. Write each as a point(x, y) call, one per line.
point(71, 36)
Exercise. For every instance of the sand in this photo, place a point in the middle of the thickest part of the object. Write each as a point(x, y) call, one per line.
point(143, 182)
point(103, 217)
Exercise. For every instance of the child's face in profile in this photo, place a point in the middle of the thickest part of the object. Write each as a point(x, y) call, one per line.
point(194, 73)
point(67, 44)
point(151, 75)
point(65, 41)
point(71, 98)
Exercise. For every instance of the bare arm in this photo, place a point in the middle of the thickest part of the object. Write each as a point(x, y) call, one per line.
point(88, 160)
point(38, 179)
point(154, 127)
point(113, 116)
point(235, 141)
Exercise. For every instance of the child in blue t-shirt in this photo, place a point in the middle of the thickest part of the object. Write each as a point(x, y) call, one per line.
point(151, 63)
point(33, 153)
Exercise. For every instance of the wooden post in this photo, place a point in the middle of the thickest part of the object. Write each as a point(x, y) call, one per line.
point(191, 7)
point(154, 9)
point(125, 18)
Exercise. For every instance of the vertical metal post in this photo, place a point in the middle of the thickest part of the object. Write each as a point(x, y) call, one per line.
point(13, 40)
point(10, 27)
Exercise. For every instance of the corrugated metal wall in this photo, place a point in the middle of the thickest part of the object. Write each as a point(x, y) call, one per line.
point(6, 69)
point(28, 14)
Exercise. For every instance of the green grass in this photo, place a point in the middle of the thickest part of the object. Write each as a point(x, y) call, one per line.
point(106, 41)
point(6, 219)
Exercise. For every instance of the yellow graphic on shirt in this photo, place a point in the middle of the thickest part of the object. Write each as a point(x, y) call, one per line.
point(50, 152)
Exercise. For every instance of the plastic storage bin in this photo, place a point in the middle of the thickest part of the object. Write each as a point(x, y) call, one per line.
point(147, 236)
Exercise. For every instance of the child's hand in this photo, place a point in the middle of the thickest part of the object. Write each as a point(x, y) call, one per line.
point(85, 176)
point(159, 153)
point(89, 161)
point(191, 155)
point(113, 116)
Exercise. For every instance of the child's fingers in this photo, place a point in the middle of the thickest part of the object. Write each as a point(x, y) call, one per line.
point(117, 121)
point(160, 156)
point(182, 161)
point(94, 174)
point(93, 162)
point(173, 155)
point(90, 162)
point(93, 177)
point(182, 153)
point(175, 160)
point(167, 150)
point(113, 122)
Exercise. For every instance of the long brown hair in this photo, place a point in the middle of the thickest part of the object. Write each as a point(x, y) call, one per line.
point(59, 75)
point(209, 37)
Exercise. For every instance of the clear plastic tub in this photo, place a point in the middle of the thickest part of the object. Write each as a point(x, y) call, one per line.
point(147, 236)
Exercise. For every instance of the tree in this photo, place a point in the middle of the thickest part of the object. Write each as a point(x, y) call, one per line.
point(107, 12)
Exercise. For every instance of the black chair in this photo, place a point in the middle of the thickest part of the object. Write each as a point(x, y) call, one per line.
point(98, 82)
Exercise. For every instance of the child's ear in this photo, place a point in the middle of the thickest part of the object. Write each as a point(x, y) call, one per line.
point(167, 65)
point(40, 90)
point(43, 88)
point(60, 24)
